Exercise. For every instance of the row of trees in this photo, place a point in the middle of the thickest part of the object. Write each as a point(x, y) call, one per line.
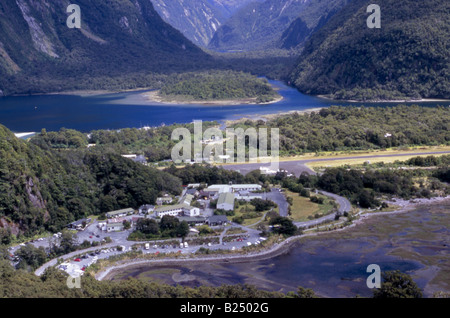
point(169, 226)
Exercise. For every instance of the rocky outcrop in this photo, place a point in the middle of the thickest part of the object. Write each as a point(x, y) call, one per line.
point(40, 40)
point(34, 195)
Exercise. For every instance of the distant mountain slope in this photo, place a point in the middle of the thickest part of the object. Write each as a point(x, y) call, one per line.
point(116, 37)
point(257, 26)
point(314, 15)
point(284, 24)
point(407, 57)
point(198, 20)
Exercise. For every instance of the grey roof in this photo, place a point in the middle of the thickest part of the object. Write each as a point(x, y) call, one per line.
point(129, 210)
point(115, 224)
point(189, 219)
point(80, 222)
point(226, 198)
point(140, 159)
point(147, 206)
point(218, 219)
point(173, 207)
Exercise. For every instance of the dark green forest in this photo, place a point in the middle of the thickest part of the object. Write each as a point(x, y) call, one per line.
point(43, 189)
point(351, 128)
point(330, 129)
point(217, 85)
point(406, 58)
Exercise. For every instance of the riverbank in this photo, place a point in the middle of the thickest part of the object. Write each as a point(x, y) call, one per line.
point(267, 117)
point(273, 251)
point(155, 97)
point(406, 100)
point(86, 92)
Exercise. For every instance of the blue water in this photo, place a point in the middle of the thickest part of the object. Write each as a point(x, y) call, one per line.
point(115, 111)
point(332, 266)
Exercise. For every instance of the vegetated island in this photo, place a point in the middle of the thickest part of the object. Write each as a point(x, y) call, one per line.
point(215, 88)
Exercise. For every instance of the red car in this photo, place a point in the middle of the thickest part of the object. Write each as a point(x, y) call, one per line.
point(77, 260)
point(84, 268)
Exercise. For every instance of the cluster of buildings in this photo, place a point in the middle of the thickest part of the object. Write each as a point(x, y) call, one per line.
point(226, 196)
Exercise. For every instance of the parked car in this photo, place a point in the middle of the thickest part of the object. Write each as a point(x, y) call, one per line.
point(77, 260)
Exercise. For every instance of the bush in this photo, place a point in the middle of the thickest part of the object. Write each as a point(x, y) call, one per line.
point(238, 219)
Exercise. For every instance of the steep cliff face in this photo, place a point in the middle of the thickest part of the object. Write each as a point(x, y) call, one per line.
point(198, 20)
point(116, 37)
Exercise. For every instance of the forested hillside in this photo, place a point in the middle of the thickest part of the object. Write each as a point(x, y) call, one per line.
point(122, 40)
point(42, 189)
point(408, 57)
point(352, 128)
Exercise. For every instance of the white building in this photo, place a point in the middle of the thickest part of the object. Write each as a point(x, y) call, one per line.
point(164, 200)
point(224, 188)
point(146, 209)
point(245, 187)
point(114, 227)
point(119, 213)
point(177, 210)
point(247, 196)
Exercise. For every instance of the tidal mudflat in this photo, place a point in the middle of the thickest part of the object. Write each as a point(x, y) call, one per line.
point(334, 264)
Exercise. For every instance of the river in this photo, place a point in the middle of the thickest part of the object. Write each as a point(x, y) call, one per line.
point(126, 110)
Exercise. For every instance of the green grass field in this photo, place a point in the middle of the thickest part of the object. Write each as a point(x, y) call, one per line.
point(302, 207)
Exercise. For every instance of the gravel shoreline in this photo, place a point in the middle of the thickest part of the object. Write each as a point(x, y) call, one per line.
point(275, 250)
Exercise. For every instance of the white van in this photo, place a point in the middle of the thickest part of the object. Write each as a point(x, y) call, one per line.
point(186, 245)
point(147, 246)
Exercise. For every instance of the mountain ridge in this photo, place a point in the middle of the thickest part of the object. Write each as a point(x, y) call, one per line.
point(115, 38)
point(406, 58)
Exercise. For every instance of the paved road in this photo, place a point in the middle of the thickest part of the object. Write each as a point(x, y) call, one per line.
point(278, 197)
point(344, 204)
point(298, 166)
